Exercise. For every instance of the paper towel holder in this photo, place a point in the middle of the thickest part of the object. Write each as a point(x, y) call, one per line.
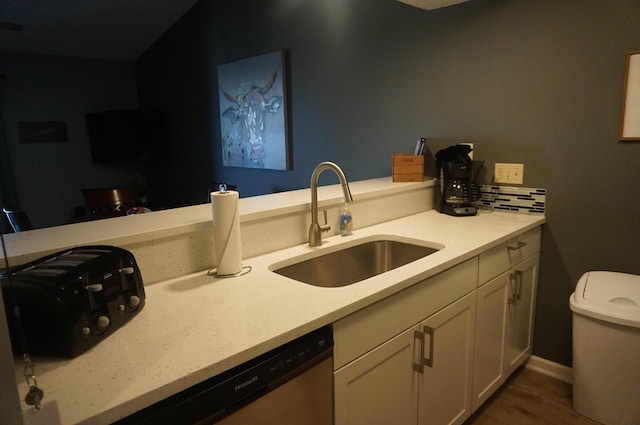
point(214, 272)
point(222, 189)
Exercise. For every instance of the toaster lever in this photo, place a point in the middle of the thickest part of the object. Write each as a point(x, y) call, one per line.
point(127, 270)
point(94, 287)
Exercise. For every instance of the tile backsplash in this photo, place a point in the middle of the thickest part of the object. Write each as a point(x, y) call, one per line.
point(525, 200)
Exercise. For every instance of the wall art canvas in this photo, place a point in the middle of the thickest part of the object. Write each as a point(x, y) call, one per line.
point(630, 128)
point(253, 112)
point(43, 131)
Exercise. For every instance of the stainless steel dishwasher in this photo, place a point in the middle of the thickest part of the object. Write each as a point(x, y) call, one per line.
point(292, 384)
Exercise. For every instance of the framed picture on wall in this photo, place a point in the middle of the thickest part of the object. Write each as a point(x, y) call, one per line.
point(43, 131)
point(253, 112)
point(630, 127)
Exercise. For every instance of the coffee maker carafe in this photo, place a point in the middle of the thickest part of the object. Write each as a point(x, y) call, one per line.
point(455, 193)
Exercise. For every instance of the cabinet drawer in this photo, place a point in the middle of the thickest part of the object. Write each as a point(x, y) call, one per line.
point(366, 329)
point(506, 255)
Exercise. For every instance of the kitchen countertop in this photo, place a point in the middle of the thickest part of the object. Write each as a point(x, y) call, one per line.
point(198, 326)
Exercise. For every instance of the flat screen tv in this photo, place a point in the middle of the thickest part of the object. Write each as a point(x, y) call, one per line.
point(128, 136)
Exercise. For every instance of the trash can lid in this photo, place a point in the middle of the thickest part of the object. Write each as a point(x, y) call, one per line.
point(610, 296)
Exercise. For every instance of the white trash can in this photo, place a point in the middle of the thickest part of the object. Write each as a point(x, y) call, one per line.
point(606, 347)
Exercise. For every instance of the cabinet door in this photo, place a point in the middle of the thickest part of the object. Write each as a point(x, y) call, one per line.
point(520, 313)
point(445, 384)
point(379, 387)
point(488, 360)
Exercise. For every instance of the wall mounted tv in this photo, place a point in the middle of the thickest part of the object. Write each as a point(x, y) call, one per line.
point(128, 136)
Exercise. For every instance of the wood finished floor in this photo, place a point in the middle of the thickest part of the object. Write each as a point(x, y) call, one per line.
point(530, 398)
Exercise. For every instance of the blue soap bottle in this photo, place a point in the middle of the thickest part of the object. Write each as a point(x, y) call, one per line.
point(346, 221)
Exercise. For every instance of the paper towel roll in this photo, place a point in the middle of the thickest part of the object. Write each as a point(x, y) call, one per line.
point(226, 232)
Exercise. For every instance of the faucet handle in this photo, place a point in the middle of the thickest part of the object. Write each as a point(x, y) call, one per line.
point(325, 227)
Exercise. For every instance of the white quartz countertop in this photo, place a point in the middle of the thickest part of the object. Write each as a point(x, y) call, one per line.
point(198, 326)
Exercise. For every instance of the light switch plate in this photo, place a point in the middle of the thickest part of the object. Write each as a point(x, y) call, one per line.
point(508, 173)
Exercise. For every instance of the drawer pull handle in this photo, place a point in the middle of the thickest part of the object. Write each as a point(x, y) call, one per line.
point(517, 246)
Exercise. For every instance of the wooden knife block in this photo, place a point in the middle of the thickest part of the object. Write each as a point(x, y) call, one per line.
point(408, 167)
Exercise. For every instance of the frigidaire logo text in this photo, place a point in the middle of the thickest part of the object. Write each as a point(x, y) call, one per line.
point(245, 383)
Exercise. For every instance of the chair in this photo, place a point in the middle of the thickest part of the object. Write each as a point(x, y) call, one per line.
point(106, 202)
point(18, 219)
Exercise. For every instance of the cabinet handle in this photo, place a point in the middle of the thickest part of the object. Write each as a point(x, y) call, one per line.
point(419, 367)
point(517, 246)
point(518, 274)
point(428, 331)
point(516, 277)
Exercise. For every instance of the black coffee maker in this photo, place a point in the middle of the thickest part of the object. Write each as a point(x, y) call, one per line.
point(456, 191)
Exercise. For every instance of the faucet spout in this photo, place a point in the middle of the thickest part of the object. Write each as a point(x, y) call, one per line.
point(316, 229)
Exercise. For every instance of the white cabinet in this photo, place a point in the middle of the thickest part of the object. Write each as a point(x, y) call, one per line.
point(379, 387)
point(434, 352)
point(420, 376)
point(505, 315)
point(520, 314)
point(445, 382)
point(490, 338)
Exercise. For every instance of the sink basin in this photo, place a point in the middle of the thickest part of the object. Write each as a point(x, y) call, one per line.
point(354, 263)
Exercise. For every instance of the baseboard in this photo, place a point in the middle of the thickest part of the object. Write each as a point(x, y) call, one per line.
point(549, 368)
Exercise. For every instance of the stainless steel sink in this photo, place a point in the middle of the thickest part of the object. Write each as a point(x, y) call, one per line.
point(355, 263)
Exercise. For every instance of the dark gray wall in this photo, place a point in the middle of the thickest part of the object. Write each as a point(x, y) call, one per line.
point(49, 176)
point(537, 82)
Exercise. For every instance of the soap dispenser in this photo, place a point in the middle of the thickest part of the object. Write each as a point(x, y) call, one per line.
point(346, 221)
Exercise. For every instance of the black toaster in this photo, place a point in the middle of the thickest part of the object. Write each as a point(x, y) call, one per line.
point(71, 300)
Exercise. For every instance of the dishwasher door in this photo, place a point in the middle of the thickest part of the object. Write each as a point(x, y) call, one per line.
point(306, 399)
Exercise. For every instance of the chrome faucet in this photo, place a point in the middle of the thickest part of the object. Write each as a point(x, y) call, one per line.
point(315, 230)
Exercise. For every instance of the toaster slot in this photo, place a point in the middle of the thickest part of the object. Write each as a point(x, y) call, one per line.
point(91, 252)
point(42, 272)
point(69, 264)
point(80, 257)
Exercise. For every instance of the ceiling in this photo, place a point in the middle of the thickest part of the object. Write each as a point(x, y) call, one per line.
point(100, 29)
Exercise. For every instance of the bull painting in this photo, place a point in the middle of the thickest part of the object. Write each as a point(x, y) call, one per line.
point(252, 113)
